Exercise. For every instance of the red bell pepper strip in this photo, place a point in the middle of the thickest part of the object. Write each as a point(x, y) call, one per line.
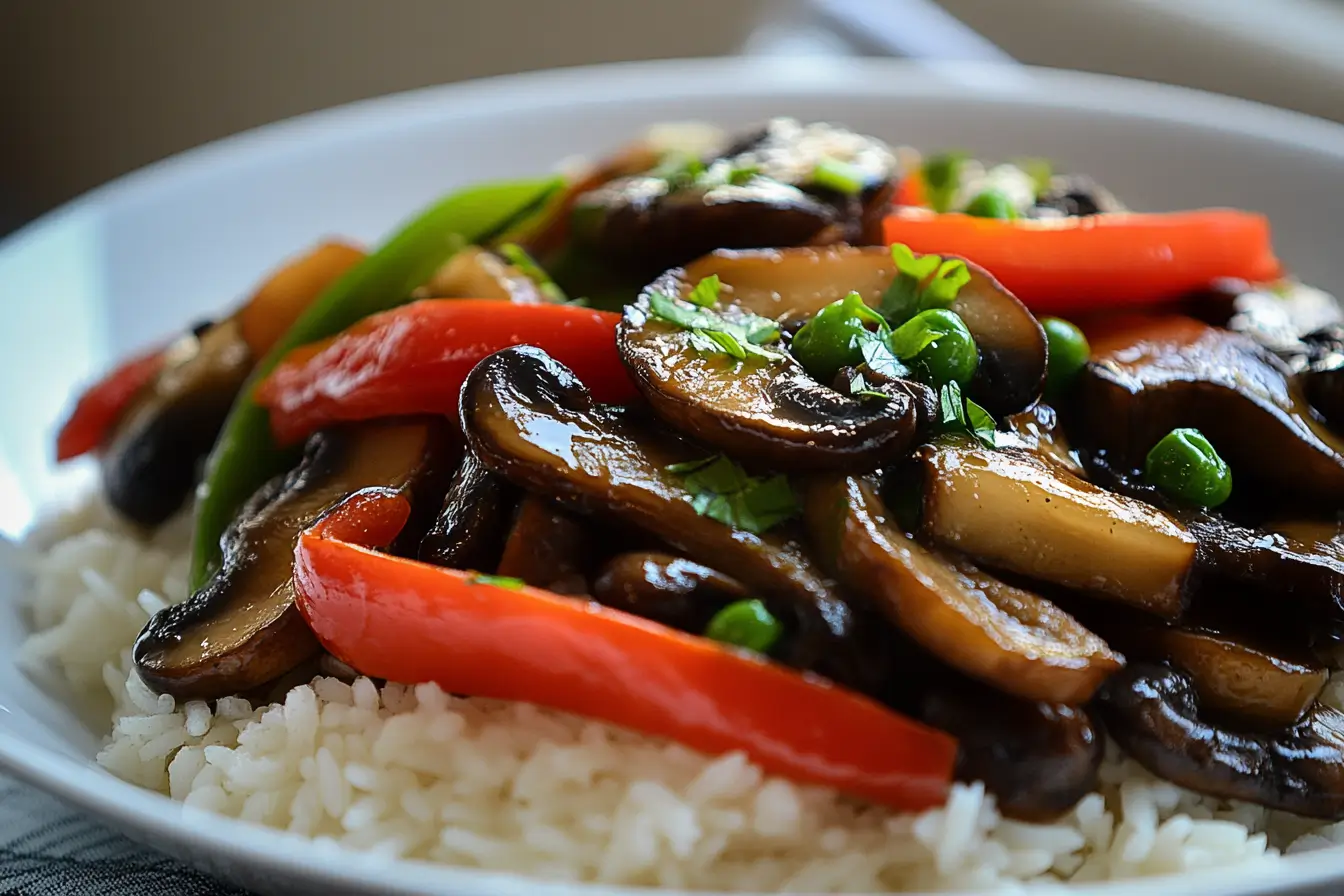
point(411, 622)
point(911, 192)
point(413, 359)
point(102, 404)
point(1072, 265)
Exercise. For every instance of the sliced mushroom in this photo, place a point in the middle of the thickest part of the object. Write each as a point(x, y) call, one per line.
point(477, 273)
point(1038, 759)
point(1012, 510)
point(1176, 372)
point(667, 589)
point(1038, 429)
point(1074, 195)
point(241, 630)
point(793, 284)
point(1008, 638)
point(1154, 714)
point(1233, 677)
point(650, 222)
point(1322, 372)
point(529, 419)
point(645, 224)
point(149, 464)
point(769, 411)
point(549, 548)
point(1302, 581)
point(471, 527)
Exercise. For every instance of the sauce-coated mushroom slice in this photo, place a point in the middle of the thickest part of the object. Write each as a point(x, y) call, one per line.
point(1012, 510)
point(149, 464)
point(241, 630)
point(794, 284)
point(1038, 759)
point(1239, 679)
point(549, 547)
point(471, 527)
point(476, 273)
point(1153, 712)
point(1008, 638)
point(771, 411)
point(529, 419)
point(667, 589)
point(1175, 372)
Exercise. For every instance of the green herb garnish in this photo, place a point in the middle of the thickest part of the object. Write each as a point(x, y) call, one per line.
point(679, 170)
point(957, 414)
point(1039, 170)
point(921, 283)
point(842, 177)
point(858, 388)
point(721, 490)
point(744, 335)
point(881, 361)
point(942, 179)
point(520, 258)
point(509, 582)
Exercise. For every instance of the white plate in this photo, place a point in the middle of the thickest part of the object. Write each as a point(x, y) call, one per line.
point(143, 256)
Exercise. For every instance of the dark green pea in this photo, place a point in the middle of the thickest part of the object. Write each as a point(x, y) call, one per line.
point(1068, 352)
point(952, 356)
point(991, 204)
point(835, 337)
point(745, 623)
point(1185, 467)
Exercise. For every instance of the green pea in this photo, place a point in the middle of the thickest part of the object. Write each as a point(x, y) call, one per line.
point(746, 623)
point(1187, 468)
point(991, 204)
point(1068, 352)
point(835, 337)
point(946, 349)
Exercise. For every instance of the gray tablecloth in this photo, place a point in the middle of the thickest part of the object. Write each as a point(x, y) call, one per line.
point(49, 849)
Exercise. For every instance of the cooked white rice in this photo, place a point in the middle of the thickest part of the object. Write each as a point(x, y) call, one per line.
point(413, 772)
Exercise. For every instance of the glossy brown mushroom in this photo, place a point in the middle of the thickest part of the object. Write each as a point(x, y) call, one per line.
point(1008, 638)
point(1165, 373)
point(242, 629)
point(1038, 429)
point(1037, 759)
point(549, 547)
point(1234, 677)
point(470, 529)
point(476, 273)
point(769, 411)
point(672, 590)
point(1012, 510)
point(650, 222)
point(150, 462)
point(530, 420)
point(794, 284)
point(1153, 712)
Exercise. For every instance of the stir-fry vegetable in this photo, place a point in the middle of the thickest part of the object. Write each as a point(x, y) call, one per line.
point(102, 404)
point(245, 456)
point(1185, 466)
point(413, 360)
point(426, 623)
point(745, 623)
point(1068, 354)
point(991, 204)
point(1077, 264)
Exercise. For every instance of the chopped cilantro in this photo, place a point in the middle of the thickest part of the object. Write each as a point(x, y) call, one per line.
point(881, 360)
point(721, 490)
point(961, 415)
point(921, 283)
point(509, 582)
point(842, 177)
point(858, 388)
point(1039, 170)
point(942, 179)
point(739, 337)
point(705, 294)
point(679, 170)
point(519, 257)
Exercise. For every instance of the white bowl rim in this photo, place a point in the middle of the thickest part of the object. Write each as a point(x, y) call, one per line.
point(156, 816)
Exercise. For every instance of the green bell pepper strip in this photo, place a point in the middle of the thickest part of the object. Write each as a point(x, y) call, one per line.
point(245, 456)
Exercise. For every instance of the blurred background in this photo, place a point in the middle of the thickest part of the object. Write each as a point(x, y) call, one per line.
point(90, 90)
